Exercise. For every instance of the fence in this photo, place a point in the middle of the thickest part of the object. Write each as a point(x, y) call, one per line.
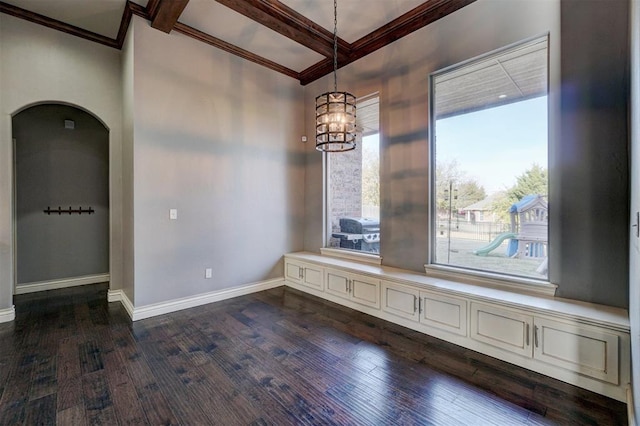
point(482, 231)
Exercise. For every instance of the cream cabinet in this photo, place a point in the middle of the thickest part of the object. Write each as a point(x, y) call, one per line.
point(589, 351)
point(304, 274)
point(583, 344)
point(502, 328)
point(443, 312)
point(353, 287)
point(428, 308)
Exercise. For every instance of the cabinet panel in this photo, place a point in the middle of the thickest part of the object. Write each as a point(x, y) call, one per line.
point(293, 272)
point(312, 277)
point(365, 291)
point(501, 328)
point(308, 275)
point(585, 350)
point(337, 283)
point(400, 300)
point(445, 313)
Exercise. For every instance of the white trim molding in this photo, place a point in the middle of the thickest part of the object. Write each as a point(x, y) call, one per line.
point(155, 309)
point(7, 315)
point(373, 258)
point(120, 296)
point(62, 283)
point(631, 413)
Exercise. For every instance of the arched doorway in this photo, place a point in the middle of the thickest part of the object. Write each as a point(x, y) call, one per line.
point(61, 172)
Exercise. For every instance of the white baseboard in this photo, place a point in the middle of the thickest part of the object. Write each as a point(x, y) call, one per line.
point(63, 283)
point(155, 309)
point(7, 315)
point(120, 296)
point(631, 412)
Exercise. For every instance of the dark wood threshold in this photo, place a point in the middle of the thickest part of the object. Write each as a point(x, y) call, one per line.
point(275, 357)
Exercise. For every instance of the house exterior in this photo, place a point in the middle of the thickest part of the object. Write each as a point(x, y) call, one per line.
point(481, 211)
point(200, 130)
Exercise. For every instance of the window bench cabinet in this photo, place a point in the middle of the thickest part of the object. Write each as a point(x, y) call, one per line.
point(305, 276)
point(580, 343)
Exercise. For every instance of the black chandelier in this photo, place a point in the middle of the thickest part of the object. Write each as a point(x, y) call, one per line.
point(335, 111)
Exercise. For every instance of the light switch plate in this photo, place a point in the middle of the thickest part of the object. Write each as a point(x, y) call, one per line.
point(208, 273)
point(173, 214)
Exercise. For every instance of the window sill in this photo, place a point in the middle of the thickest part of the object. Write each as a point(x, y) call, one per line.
point(488, 279)
point(373, 259)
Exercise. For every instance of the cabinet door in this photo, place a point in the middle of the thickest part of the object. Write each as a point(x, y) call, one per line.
point(400, 300)
point(443, 312)
point(585, 350)
point(293, 272)
point(304, 274)
point(312, 276)
point(502, 328)
point(337, 283)
point(365, 290)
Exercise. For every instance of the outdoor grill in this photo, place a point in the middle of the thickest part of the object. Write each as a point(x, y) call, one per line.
point(359, 234)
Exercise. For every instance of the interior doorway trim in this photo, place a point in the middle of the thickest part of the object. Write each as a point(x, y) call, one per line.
point(59, 283)
point(7, 315)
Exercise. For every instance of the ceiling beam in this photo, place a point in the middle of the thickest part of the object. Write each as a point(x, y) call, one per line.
point(285, 21)
point(420, 16)
point(165, 16)
point(223, 45)
point(56, 25)
point(125, 21)
point(152, 8)
point(138, 10)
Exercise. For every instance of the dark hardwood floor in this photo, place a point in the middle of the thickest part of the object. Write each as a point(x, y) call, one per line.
point(277, 357)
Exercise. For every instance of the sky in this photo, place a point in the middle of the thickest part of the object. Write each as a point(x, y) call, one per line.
point(496, 145)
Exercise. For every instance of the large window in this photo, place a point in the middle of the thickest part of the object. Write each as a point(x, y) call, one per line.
point(489, 139)
point(353, 186)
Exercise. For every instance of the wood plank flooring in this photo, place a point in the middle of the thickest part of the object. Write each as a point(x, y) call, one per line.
point(277, 357)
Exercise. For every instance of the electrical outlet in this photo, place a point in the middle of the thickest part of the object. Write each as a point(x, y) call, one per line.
point(173, 214)
point(208, 273)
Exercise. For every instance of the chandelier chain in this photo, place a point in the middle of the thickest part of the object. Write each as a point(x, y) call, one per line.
point(335, 45)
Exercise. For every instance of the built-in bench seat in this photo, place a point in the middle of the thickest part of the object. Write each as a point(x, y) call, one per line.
point(577, 342)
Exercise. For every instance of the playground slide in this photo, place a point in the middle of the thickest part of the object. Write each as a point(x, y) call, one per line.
point(483, 251)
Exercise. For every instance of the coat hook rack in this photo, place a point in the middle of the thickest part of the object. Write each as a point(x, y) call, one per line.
point(69, 211)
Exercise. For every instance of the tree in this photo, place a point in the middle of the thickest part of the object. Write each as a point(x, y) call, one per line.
point(533, 181)
point(467, 190)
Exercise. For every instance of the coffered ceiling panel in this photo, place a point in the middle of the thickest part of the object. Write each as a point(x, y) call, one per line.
point(99, 16)
point(219, 21)
point(292, 37)
point(356, 18)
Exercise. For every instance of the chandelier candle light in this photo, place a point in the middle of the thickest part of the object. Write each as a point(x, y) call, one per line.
point(335, 111)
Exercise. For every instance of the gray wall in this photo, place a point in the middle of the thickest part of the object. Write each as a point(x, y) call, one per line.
point(60, 167)
point(634, 246)
point(217, 138)
point(6, 200)
point(588, 158)
point(589, 235)
point(38, 64)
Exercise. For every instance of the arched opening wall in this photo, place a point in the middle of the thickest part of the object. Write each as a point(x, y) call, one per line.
point(61, 202)
point(40, 65)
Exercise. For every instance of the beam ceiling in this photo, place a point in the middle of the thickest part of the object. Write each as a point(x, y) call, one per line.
point(164, 15)
point(167, 13)
point(286, 21)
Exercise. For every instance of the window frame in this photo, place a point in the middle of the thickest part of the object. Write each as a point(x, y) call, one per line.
point(346, 253)
point(459, 273)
